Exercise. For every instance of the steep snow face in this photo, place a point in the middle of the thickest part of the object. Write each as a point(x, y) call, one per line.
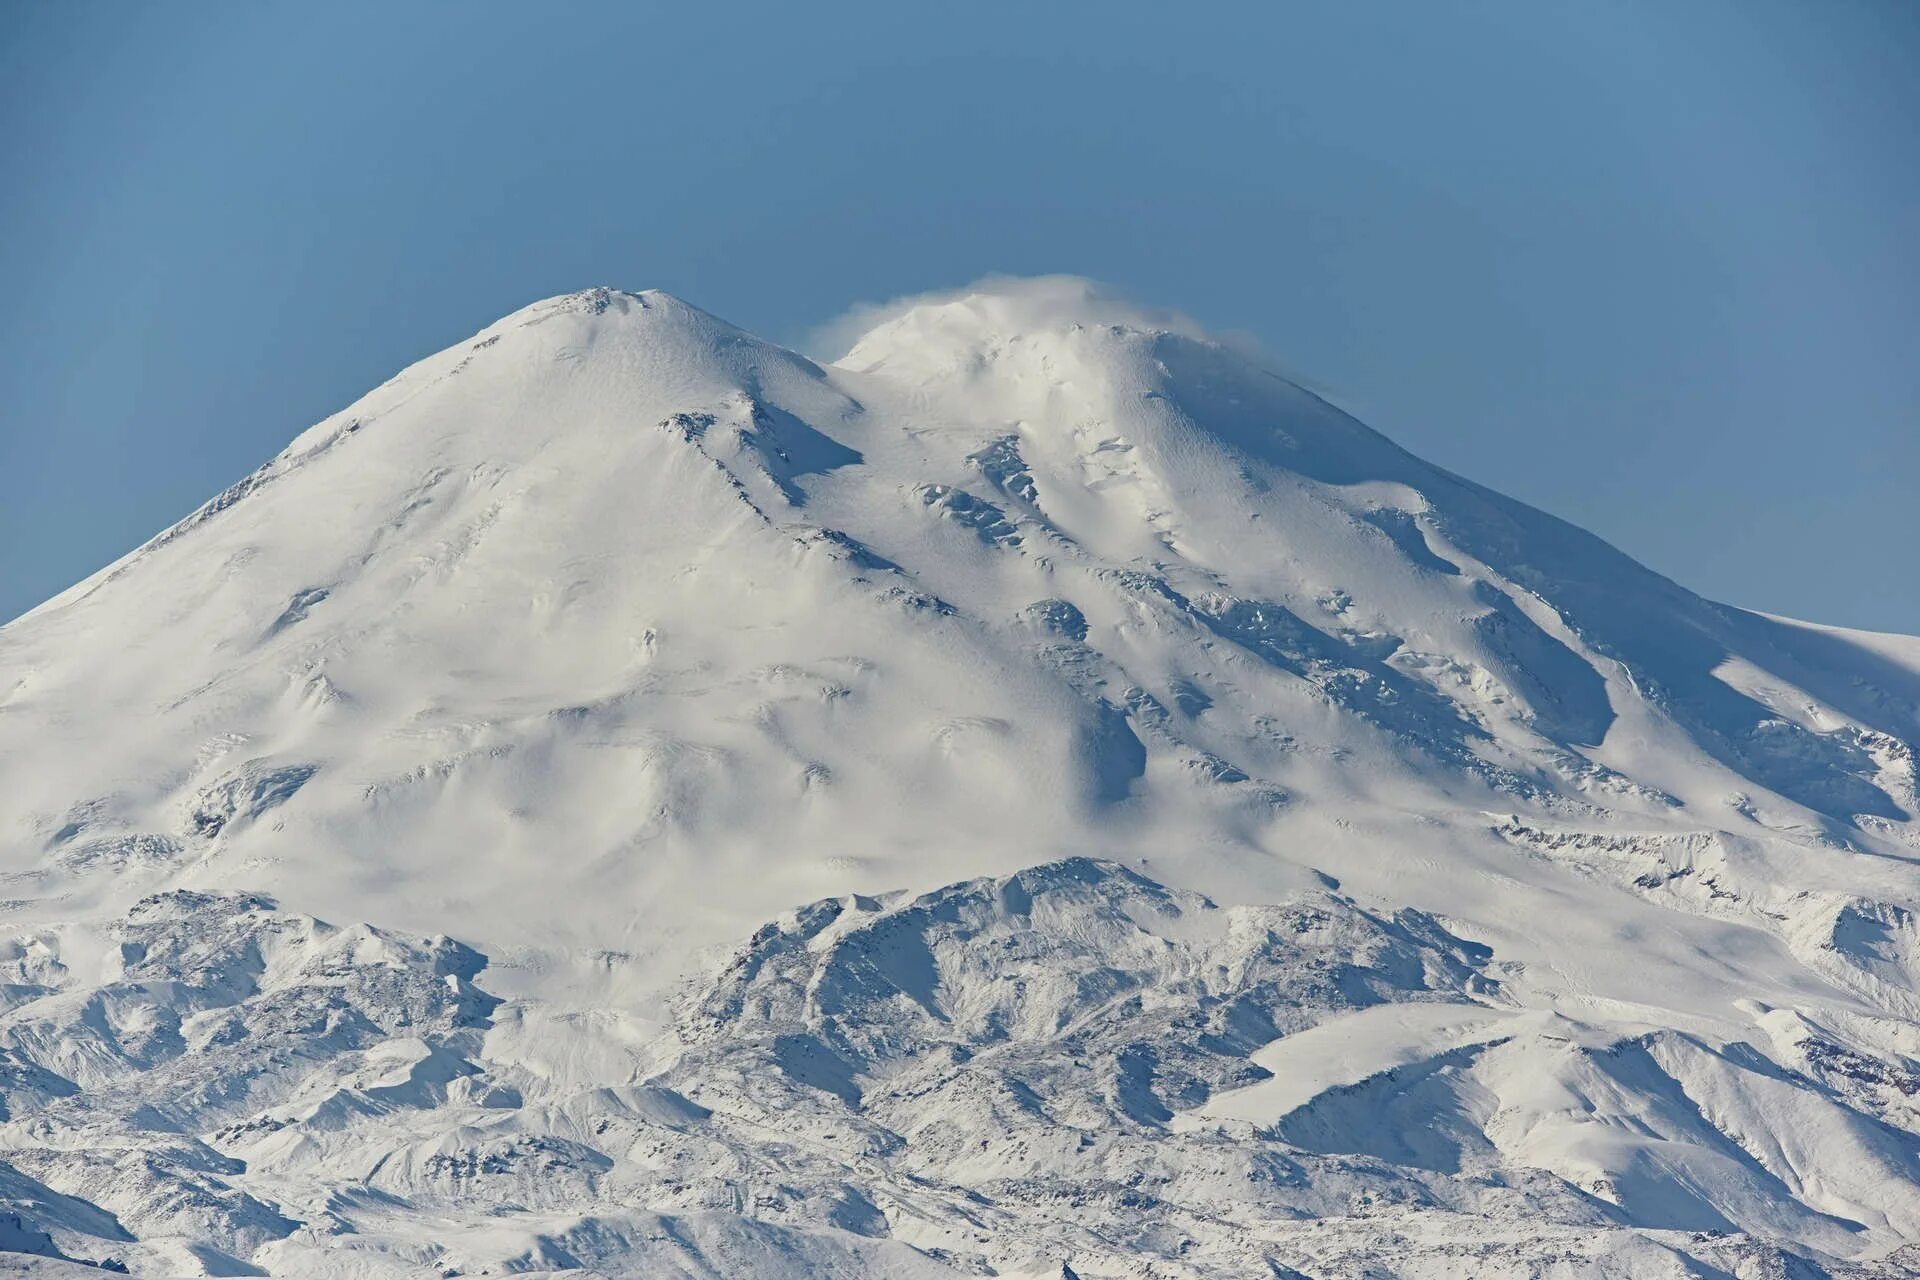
point(1235, 845)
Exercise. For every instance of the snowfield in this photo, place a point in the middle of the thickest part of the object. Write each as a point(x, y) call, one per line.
point(1039, 796)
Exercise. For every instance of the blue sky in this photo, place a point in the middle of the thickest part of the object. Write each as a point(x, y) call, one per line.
point(1650, 266)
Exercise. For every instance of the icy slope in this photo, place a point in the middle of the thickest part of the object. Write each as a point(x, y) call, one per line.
point(1265, 849)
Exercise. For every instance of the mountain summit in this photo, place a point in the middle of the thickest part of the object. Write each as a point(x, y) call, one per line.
point(1040, 792)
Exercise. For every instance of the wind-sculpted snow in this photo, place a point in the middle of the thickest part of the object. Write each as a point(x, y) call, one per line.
point(1232, 846)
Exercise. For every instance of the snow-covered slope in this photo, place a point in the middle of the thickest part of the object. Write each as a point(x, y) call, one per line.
point(1039, 792)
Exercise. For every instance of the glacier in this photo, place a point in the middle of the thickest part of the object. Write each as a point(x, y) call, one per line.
point(1040, 795)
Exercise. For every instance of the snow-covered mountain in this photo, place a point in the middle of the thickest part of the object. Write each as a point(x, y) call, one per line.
point(1040, 795)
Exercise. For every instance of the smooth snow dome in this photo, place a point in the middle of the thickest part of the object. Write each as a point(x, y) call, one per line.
point(1041, 794)
point(1649, 266)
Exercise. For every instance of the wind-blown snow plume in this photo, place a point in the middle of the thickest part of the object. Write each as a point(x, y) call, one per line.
point(1010, 305)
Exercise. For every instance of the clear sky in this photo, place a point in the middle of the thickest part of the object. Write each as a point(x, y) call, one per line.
point(1652, 266)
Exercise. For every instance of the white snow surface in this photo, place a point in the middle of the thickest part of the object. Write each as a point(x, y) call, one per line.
point(1038, 796)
